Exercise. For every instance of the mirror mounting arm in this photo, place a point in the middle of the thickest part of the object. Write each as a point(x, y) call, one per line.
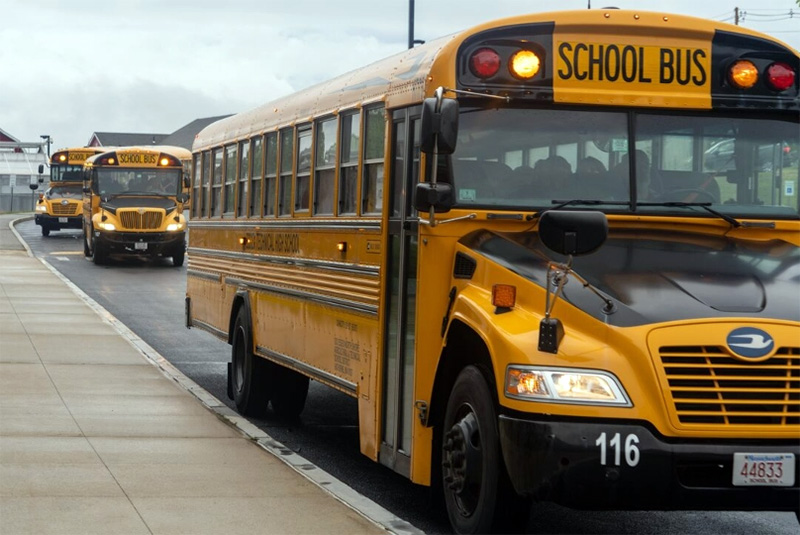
point(432, 222)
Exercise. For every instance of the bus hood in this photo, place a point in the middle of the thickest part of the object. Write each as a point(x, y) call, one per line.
point(130, 201)
point(654, 277)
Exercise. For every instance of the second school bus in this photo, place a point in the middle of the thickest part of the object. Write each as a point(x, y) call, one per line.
point(133, 203)
point(553, 257)
point(59, 206)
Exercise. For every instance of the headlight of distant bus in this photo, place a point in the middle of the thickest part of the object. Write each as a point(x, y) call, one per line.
point(172, 227)
point(564, 385)
point(41, 208)
point(107, 226)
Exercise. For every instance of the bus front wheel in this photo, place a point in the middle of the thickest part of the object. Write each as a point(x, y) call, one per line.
point(45, 231)
point(99, 253)
point(249, 381)
point(477, 493)
point(177, 257)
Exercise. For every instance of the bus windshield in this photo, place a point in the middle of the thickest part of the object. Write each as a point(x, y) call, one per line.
point(66, 173)
point(530, 158)
point(138, 182)
point(64, 192)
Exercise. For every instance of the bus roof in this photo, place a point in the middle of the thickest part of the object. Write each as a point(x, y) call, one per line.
point(411, 75)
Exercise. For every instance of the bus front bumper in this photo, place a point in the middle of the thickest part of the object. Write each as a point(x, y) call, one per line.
point(562, 462)
point(58, 222)
point(142, 243)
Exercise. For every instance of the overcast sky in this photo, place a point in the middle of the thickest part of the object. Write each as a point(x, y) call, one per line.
point(69, 68)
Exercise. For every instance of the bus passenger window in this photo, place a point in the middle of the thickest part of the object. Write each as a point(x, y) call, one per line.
point(271, 169)
point(324, 168)
point(285, 186)
point(230, 178)
point(244, 172)
point(302, 193)
point(348, 163)
point(372, 187)
point(216, 184)
point(257, 176)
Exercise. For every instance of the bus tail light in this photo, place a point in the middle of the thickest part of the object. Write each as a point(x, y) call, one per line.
point(484, 63)
point(524, 64)
point(780, 76)
point(743, 74)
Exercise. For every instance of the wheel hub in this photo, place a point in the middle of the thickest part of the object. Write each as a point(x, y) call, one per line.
point(461, 460)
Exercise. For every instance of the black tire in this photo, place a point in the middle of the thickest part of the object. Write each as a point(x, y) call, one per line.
point(290, 393)
point(99, 253)
point(45, 231)
point(477, 494)
point(249, 378)
point(178, 257)
point(86, 251)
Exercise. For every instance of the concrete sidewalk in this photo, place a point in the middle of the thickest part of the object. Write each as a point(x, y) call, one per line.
point(99, 434)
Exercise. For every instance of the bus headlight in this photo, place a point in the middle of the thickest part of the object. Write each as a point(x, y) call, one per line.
point(106, 226)
point(41, 208)
point(172, 227)
point(564, 385)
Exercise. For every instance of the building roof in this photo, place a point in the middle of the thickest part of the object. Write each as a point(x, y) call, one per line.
point(5, 136)
point(184, 136)
point(123, 139)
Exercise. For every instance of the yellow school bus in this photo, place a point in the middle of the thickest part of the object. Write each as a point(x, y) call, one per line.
point(554, 258)
point(59, 206)
point(133, 201)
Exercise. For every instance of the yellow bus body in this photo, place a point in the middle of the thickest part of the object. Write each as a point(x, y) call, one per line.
point(133, 202)
point(59, 206)
point(317, 294)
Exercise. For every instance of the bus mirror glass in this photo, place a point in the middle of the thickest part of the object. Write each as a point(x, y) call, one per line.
point(438, 196)
point(573, 232)
point(41, 168)
point(186, 182)
point(439, 128)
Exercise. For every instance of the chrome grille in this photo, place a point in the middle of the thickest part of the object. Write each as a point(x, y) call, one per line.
point(65, 209)
point(709, 386)
point(148, 220)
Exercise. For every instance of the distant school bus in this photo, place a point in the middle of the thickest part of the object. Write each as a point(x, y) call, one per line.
point(59, 206)
point(554, 258)
point(133, 201)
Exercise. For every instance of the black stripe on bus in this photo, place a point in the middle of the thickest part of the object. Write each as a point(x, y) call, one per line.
point(338, 267)
point(306, 224)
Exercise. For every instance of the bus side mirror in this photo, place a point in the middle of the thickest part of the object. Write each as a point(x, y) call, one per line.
point(186, 182)
point(439, 129)
point(438, 196)
point(87, 190)
point(573, 232)
point(182, 197)
point(41, 168)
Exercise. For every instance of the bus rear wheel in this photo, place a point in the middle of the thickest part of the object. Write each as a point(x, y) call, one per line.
point(290, 393)
point(477, 493)
point(249, 377)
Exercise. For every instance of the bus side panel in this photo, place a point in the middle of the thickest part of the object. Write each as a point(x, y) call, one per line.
point(339, 347)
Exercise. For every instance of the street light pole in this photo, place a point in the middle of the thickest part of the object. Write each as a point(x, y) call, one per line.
point(48, 140)
point(411, 40)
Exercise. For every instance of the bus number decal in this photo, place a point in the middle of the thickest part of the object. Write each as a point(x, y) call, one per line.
point(631, 449)
point(632, 64)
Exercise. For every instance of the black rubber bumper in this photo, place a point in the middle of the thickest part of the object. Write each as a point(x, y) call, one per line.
point(55, 223)
point(157, 243)
point(562, 462)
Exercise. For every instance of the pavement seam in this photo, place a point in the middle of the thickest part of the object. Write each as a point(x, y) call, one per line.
point(335, 488)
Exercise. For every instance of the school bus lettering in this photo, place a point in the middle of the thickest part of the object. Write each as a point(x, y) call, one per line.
point(612, 63)
point(138, 159)
point(78, 157)
point(273, 243)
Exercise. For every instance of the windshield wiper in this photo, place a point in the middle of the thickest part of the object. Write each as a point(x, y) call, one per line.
point(704, 205)
point(586, 202)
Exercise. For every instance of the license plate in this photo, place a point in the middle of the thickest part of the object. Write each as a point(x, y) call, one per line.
point(763, 469)
point(140, 245)
point(62, 219)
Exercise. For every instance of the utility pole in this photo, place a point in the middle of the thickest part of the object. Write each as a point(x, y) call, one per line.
point(736, 16)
